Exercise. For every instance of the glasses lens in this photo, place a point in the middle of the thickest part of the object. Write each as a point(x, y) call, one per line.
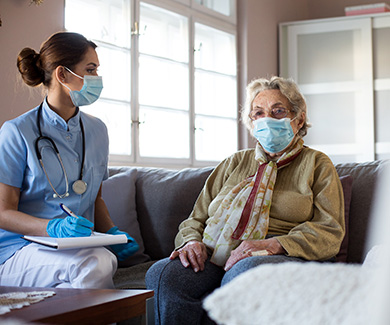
point(279, 112)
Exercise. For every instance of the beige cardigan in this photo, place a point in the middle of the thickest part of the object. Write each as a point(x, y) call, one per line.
point(307, 211)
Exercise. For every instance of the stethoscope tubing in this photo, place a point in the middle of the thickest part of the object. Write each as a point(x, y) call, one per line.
point(39, 156)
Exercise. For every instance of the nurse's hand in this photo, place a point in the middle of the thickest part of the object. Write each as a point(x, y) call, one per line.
point(69, 227)
point(123, 251)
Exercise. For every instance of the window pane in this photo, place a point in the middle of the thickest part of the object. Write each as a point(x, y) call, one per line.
point(115, 70)
point(163, 33)
point(117, 118)
point(163, 83)
point(216, 138)
point(215, 94)
point(215, 50)
point(221, 6)
point(108, 21)
point(163, 133)
point(108, 24)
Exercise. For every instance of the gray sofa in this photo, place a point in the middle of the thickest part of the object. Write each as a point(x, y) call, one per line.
point(150, 203)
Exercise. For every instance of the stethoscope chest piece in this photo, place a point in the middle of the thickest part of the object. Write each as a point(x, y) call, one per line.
point(79, 187)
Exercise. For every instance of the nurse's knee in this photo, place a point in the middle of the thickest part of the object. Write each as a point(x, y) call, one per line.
point(93, 268)
point(99, 258)
point(107, 259)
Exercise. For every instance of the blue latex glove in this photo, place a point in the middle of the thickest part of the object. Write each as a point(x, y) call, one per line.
point(69, 227)
point(123, 251)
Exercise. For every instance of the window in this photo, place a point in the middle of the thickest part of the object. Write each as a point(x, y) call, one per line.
point(170, 78)
point(215, 91)
point(221, 8)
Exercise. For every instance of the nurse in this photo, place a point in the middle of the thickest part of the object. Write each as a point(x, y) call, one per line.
point(56, 154)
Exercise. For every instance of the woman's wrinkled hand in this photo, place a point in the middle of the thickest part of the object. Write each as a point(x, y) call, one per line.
point(193, 253)
point(269, 246)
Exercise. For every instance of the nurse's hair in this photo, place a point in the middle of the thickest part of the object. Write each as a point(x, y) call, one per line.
point(287, 87)
point(61, 49)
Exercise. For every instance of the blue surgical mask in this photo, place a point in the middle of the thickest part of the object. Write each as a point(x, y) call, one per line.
point(92, 88)
point(273, 134)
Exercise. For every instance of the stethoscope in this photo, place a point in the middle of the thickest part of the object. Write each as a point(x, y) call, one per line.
point(79, 186)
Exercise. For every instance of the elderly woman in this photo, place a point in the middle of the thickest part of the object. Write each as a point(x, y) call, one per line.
point(279, 202)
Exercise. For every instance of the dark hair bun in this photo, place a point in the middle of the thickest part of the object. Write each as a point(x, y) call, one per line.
point(29, 67)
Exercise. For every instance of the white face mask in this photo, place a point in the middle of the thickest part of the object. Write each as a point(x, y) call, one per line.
point(92, 88)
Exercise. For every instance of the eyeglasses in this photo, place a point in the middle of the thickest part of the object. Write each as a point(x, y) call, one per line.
point(276, 112)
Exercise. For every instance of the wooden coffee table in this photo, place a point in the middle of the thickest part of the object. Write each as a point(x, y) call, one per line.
point(84, 306)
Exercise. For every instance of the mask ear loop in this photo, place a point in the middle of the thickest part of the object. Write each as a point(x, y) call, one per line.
point(75, 74)
point(294, 140)
point(70, 90)
point(62, 82)
point(298, 124)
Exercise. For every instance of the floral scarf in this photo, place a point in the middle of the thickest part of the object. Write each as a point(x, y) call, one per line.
point(244, 212)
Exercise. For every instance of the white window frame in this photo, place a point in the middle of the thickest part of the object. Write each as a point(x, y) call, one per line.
point(233, 10)
point(195, 13)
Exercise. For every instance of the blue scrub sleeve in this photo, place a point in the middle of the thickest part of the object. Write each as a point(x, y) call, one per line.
point(14, 152)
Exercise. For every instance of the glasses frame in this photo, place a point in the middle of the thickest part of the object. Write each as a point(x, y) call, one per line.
point(271, 113)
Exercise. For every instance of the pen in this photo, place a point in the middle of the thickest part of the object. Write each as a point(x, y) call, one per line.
point(68, 211)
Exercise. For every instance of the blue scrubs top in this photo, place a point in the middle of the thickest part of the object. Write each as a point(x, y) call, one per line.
point(20, 167)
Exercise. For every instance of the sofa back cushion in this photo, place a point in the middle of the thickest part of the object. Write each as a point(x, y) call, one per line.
point(346, 182)
point(365, 177)
point(118, 192)
point(164, 199)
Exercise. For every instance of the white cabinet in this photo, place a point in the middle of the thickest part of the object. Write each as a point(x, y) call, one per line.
point(342, 66)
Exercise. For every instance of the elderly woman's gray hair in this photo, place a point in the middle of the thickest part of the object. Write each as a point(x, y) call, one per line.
point(287, 87)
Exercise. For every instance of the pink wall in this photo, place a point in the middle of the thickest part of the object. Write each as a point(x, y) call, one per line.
point(23, 25)
point(258, 28)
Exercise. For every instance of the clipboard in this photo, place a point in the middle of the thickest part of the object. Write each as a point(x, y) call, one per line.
point(97, 239)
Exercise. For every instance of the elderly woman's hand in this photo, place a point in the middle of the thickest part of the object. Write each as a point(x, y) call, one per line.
point(193, 253)
point(248, 248)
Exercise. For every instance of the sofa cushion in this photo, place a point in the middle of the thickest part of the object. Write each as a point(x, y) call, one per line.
point(118, 191)
point(164, 199)
point(365, 176)
point(132, 277)
point(346, 182)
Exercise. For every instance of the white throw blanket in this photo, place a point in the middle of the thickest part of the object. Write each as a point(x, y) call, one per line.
point(296, 293)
